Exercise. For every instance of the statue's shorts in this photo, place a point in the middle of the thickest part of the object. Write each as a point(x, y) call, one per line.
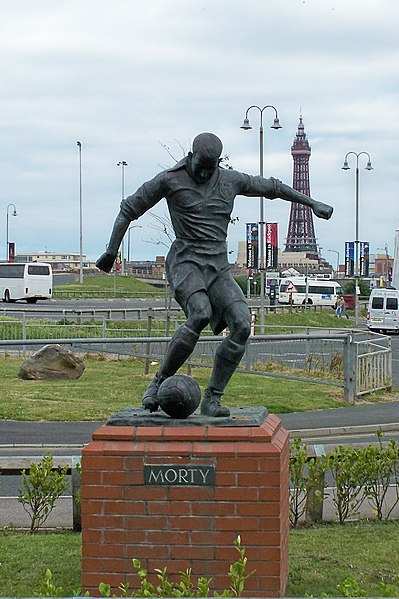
point(202, 265)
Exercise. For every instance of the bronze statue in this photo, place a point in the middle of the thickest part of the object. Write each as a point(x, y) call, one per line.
point(200, 196)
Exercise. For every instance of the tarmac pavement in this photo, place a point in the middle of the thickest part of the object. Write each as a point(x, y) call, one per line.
point(353, 420)
point(329, 422)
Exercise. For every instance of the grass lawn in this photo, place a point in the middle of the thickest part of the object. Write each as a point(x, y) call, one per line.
point(321, 558)
point(107, 386)
point(107, 284)
point(104, 282)
point(324, 556)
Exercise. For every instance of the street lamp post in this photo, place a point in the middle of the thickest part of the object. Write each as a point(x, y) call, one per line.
point(346, 167)
point(128, 239)
point(122, 164)
point(80, 215)
point(336, 252)
point(276, 125)
point(14, 213)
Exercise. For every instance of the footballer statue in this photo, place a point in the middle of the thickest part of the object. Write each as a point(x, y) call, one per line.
point(200, 196)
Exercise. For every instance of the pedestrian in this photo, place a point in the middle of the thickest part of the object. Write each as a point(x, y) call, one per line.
point(338, 308)
point(344, 309)
point(200, 196)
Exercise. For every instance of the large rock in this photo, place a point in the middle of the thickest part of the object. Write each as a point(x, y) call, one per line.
point(52, 362)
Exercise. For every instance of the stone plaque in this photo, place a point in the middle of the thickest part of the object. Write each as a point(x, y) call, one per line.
point(192, 475)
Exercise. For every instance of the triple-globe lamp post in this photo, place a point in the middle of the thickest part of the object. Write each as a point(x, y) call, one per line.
point(80, 215)
point(346, 167)
point(122, 164)
point(276, 125)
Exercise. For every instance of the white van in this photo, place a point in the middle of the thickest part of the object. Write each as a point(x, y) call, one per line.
point(383, 310)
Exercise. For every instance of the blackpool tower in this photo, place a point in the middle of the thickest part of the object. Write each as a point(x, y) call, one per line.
point(301, 236)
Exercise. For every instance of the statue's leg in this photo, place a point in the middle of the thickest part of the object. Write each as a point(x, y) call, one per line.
point(180, 347)
point(227, 358)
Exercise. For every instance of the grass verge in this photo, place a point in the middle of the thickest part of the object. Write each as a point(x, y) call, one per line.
point(321, 558)
point(107, 284)
point(107, 386)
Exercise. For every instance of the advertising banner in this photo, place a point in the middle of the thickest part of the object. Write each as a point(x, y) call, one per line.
point(252, 245)
point(349, 258)
point(364, 258)
point(118, 261)
point(271, 246)
point(11, 251)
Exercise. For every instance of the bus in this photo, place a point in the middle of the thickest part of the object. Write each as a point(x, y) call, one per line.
point(318, 292)
point(28, 281)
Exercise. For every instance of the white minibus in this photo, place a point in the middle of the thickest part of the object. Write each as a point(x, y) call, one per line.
point(383, 310)
point(318, 292)
point(28, 281)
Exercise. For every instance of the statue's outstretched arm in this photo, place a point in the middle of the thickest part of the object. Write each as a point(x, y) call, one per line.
point(285, 192)
point(106, 261)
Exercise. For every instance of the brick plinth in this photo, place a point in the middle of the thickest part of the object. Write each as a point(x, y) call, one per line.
point(180, 525)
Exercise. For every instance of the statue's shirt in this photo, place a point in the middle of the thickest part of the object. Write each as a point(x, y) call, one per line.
point(200, 215)
point(198, 211)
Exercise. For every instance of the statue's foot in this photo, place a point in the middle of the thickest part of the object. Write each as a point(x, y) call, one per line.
point(150, 398)
point(211, 405)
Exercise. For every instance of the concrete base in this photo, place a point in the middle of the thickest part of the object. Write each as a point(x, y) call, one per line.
point(177, 495)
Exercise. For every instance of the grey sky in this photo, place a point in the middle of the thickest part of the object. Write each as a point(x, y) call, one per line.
point(126, 77)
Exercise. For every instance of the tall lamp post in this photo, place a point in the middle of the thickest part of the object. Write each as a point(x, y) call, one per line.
point(346, 167)
point(336, 252)
point(14, 213)
point(276, 125)
point(80, 215)
point(128, 239)
point(122, 164)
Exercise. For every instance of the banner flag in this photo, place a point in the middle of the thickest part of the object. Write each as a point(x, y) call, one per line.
point(11, 251)
point(364, 258)
point(252, 245)
point(271, 246)
point(349, 258)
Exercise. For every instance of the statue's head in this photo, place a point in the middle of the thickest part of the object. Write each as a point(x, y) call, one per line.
point(207, 149)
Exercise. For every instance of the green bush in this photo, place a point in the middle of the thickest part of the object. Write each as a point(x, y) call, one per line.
point(185, 587)
point(349, 287)
point(381, 470)
point(305, 474)
point(359, 474)
point(41, 489)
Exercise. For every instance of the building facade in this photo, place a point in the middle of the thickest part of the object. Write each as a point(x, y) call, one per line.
point(67, 262)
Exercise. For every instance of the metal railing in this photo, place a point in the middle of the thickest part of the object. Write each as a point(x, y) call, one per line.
point(127, 313)
point(374, 365)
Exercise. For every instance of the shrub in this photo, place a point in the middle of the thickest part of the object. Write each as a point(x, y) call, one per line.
point(347, 466)
point(165, 588)
point(41, 489)
point(382, 469)
point(305, 475)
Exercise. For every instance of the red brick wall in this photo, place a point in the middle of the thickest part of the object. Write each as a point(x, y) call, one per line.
point(184, 527)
